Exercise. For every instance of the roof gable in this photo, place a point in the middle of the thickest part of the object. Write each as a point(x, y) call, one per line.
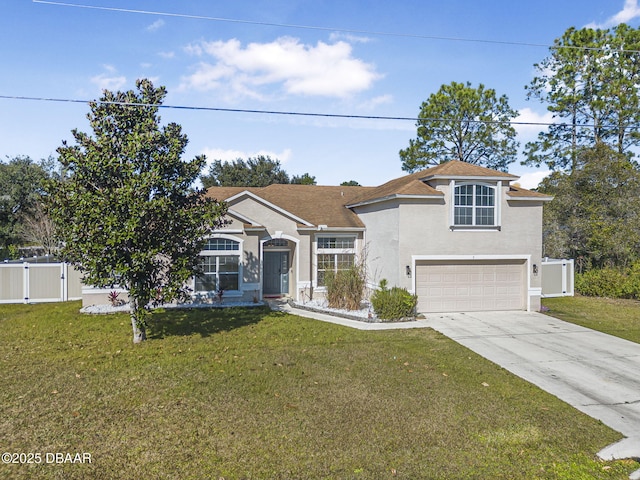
point(309, 205)
point(415, 184)
point(456, 169)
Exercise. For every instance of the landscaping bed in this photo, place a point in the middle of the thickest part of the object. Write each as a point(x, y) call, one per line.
point(365, 314)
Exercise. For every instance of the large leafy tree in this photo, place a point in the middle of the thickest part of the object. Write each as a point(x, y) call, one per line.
point(259, 171)
point(304, 179)
point(595, 215)
point(125, 208)
point(460, 122)
point(590, 84)
point(21, 188)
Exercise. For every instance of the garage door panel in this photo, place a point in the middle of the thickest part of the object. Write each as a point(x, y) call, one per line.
point(476, 277)
point(489, 290)
point(476, 290)
point(470, 286)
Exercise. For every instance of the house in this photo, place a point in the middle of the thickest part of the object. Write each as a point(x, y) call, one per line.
point(460, 236)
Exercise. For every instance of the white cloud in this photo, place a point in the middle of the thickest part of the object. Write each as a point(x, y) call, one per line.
point(167, 55)
point(230, 155)
point(530, 132)
point(373, 103)
point(155, 25)
point(327, 70)
point(532, 179)
point(109, 80)
point(349, 37)
point(630, 11)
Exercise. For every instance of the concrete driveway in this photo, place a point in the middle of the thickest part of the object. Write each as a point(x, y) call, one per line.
point(596, 373)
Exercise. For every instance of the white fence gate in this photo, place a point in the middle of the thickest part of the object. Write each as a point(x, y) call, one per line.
point(557, 277)
point(39, 282)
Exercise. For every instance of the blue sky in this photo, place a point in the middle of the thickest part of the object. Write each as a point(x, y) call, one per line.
point(55, 50)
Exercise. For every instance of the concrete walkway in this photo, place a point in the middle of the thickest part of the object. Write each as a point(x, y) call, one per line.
point(594, 372)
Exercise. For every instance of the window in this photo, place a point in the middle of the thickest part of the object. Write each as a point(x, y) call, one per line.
point(336, 242)
point(221, 244)
point(334, 254)
point(220, 270)
point(474, 205)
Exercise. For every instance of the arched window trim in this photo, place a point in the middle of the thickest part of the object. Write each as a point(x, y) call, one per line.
point(477, 208)
point(216, 273)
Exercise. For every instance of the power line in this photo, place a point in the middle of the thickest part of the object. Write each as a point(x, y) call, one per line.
point(320, 28)
point(299, 114)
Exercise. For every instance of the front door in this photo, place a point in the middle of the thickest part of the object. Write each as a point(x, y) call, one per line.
point(276, 273)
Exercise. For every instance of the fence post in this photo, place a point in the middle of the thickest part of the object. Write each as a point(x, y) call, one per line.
point(25, 281)
point(63, 282)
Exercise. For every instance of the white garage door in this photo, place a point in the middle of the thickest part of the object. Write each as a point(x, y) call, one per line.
point(467, 286)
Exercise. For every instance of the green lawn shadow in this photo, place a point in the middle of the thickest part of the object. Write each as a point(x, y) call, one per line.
point(203, 321)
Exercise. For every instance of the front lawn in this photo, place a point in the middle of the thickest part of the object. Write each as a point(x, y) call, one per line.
point(617, 317)
point(254, 394)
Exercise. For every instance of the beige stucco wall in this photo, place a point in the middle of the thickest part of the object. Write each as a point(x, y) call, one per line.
point(277, 225)
point(422, 227)
point(397, 230)
point(382, 241)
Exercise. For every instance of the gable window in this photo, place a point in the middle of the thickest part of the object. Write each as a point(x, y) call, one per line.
point(474, 205)
point(334, 253)
point(219, 266)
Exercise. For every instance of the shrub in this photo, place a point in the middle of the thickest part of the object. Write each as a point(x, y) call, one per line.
point(605, 282)
point(631, 287)
point(393, 303)
point(345, 289)
point(114, 300)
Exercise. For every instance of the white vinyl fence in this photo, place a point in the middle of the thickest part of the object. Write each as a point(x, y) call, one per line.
point(39, 282)
point(557, 277)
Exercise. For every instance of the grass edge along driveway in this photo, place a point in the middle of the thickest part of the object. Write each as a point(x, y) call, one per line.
point(254, 394)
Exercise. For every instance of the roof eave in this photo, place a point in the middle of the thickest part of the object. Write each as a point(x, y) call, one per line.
point(529, 199)
point(395, 196)
point(507, 177)
point(327, 228)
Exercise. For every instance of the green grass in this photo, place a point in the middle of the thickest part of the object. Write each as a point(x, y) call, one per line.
point(254, 394)
point(617, 317)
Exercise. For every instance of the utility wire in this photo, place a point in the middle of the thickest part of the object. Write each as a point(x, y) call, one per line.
point(321, 28)
point(299, 114)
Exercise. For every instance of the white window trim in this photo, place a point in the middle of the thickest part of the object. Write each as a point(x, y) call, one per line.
point(222, 253)
point(497, 219)
point(332, 251)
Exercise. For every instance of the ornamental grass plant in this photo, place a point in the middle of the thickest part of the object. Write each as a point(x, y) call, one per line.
point(346, 288)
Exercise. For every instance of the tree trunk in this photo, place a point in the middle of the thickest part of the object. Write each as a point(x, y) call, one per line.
point(139, 332)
